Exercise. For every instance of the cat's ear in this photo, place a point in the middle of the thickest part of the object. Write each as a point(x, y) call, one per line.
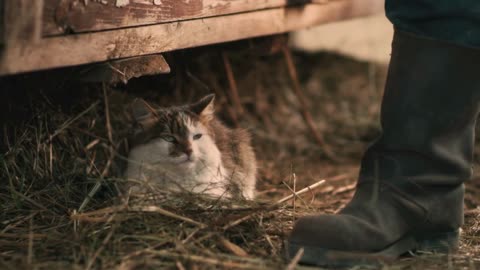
point(143, 113)
point(205, 107)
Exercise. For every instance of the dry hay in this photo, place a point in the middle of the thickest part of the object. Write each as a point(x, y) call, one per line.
point(56, 157)
point(50, 168)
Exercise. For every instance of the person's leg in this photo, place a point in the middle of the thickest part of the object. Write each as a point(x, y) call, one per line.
point(410, 189)
point(455, 21)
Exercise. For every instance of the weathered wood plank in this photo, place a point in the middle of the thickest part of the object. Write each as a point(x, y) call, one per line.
point(74, 16)
point(3, 24)
point(23, 20)
point(101, 46)
point(20, 24)
point(123, 70)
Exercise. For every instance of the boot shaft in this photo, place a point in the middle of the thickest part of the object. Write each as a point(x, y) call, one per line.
point(429, 109)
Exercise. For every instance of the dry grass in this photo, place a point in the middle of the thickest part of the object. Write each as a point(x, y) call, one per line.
point(51, 219)
point(48, 219)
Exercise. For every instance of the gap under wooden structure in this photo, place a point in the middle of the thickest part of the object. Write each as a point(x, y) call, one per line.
point(45, 34)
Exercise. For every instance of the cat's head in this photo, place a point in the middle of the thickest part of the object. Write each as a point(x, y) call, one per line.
point(176, 135)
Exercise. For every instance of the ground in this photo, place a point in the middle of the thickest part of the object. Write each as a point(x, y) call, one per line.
point(60, 139)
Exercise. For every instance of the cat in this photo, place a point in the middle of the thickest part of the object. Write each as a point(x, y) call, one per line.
point(188, 148)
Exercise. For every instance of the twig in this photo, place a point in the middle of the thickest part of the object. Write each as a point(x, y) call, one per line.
point(107, 167)
point(117, 70)
point(92, 144)
point(103, 211)
point(180, 265)
point(146, 209)
point(50, 152)
point(156, 209)
point(97, 185)
point(233, 93)
point(262, 107)
point(75, 222)
point(295, 197)
point(17, 222)
point(26, 198)
point(303, 104)
point(473, 212)
point(197, 80)
point(216, 89)
point(266, 191)
point(30, 235)
point(270, 243)
point(107, 115)
point(243, 263)
point(295, 260)
point(311, 187)
point(238, 221)
point(247, 217)
point(111, 149)
point(235, 249)
point(345, 189)
point(91, 165)
point(102, 247)
point(340, 177)
point(30, 243)
point(71, 121)
point(141, 251)
point(191, 235)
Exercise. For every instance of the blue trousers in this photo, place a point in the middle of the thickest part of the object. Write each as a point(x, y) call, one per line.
point(456, 21)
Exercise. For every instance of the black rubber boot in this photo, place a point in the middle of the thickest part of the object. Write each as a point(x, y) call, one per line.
point(409, 196)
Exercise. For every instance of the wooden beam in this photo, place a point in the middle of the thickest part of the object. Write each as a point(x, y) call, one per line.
point(116, 71)
point(20, 24)
point(73, 16)
point(3, 24)
point(101, 46)
point(22, 21)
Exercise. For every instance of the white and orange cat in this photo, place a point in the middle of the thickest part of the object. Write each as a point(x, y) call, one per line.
point(188, 148)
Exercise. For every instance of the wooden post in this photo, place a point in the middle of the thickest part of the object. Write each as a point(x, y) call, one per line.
point(20, 24)
point(3, 24)
point(22, 21)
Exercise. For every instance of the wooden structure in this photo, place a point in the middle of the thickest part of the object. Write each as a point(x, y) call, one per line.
point(44, 34)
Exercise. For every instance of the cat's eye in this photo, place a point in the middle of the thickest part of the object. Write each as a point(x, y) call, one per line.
point(197, 136)
point(169, 138)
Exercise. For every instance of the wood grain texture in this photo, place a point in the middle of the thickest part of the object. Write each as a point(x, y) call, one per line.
point(22, 20)
point(3, 24)
point(74, 16)
point(123, 70)
point(20, 24)
point(145, 40)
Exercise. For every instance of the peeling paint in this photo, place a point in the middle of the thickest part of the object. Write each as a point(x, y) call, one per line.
point(122, 3)
point(110, 47)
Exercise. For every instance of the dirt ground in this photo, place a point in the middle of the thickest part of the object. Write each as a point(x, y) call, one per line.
point(57, 147)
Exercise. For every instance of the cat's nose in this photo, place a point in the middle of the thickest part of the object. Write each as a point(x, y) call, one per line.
point(189, 152)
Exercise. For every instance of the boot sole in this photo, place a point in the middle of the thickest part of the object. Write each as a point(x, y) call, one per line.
point(442, 242)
